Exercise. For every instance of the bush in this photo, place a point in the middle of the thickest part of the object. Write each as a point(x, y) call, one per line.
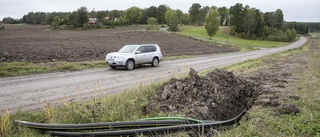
point(273, 34)
point(86, 26)
point(152, 23)
point(1, 26)
point(163, 25)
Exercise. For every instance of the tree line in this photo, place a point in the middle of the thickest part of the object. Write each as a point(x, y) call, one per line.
point(244, 21)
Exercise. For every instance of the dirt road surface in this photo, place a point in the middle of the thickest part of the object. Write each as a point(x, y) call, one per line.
point(33, 92)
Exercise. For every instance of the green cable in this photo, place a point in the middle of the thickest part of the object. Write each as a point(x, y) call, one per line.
point(173, 118)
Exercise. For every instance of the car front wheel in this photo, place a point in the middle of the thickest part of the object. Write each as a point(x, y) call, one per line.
point(155, 62)
point(130, 65)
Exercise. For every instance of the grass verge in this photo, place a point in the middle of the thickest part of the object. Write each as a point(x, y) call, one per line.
point(255, 64)
point(25, 68)
point(124, 106)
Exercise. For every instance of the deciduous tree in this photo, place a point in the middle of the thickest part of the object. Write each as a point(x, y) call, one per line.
point(133, 15)
point(8, 20)
point(179, 16)
point(149, 12)
point(194, 12)
point(212, 23)
point(161, 13)
point(172, 20)
point(250, 21)
point(152, 22)
point(278, 17)
point(49, 19)
point(223, 15)
point(55, 22)
point(203, 13)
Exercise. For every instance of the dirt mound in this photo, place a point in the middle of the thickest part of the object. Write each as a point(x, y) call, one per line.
point(219, 95)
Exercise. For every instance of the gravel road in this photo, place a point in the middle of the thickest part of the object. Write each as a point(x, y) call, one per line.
point(33, 92)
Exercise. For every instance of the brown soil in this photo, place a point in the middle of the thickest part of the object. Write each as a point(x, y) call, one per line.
point(220, 95)
point(278, 80)
point(38, 44)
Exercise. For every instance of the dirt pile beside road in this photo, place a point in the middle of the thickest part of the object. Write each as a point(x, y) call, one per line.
point(219, 95)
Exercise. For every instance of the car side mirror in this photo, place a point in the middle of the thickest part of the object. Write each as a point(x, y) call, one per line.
point(138, 52)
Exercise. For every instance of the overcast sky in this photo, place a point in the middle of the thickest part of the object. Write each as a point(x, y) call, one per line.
point(293, 10)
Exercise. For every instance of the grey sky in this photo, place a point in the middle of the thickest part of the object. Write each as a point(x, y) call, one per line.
point(294, 10)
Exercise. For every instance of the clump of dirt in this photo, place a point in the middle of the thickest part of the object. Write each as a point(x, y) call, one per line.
point(277, 81)
point(219, 95)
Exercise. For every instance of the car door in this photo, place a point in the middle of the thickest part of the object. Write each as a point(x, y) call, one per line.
point(149, 53)
point(140, 55)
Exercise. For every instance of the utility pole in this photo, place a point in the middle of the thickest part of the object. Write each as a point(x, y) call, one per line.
point(228, 30)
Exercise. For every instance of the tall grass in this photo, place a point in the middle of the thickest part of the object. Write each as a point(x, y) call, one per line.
point(125, 106)
point(259, 63)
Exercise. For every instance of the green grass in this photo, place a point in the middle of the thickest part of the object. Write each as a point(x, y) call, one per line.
point(222, 38)
point(19, 24)
point(26, 68)
point(315, 34)
point(124, 106)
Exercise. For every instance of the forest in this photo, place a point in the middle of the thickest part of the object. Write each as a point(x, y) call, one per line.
point(246, 22)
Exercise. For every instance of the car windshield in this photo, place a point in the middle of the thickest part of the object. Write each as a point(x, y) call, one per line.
point(128, 49)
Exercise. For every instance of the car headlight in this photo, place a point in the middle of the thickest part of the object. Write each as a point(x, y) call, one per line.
point(119, 57)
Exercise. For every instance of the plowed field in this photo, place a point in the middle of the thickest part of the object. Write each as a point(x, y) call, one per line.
point(39, 44)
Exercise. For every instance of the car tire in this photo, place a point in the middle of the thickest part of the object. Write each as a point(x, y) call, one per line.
point(130, 65)
point(155, 62)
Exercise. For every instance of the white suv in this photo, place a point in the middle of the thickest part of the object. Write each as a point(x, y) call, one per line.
point(131, 55)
